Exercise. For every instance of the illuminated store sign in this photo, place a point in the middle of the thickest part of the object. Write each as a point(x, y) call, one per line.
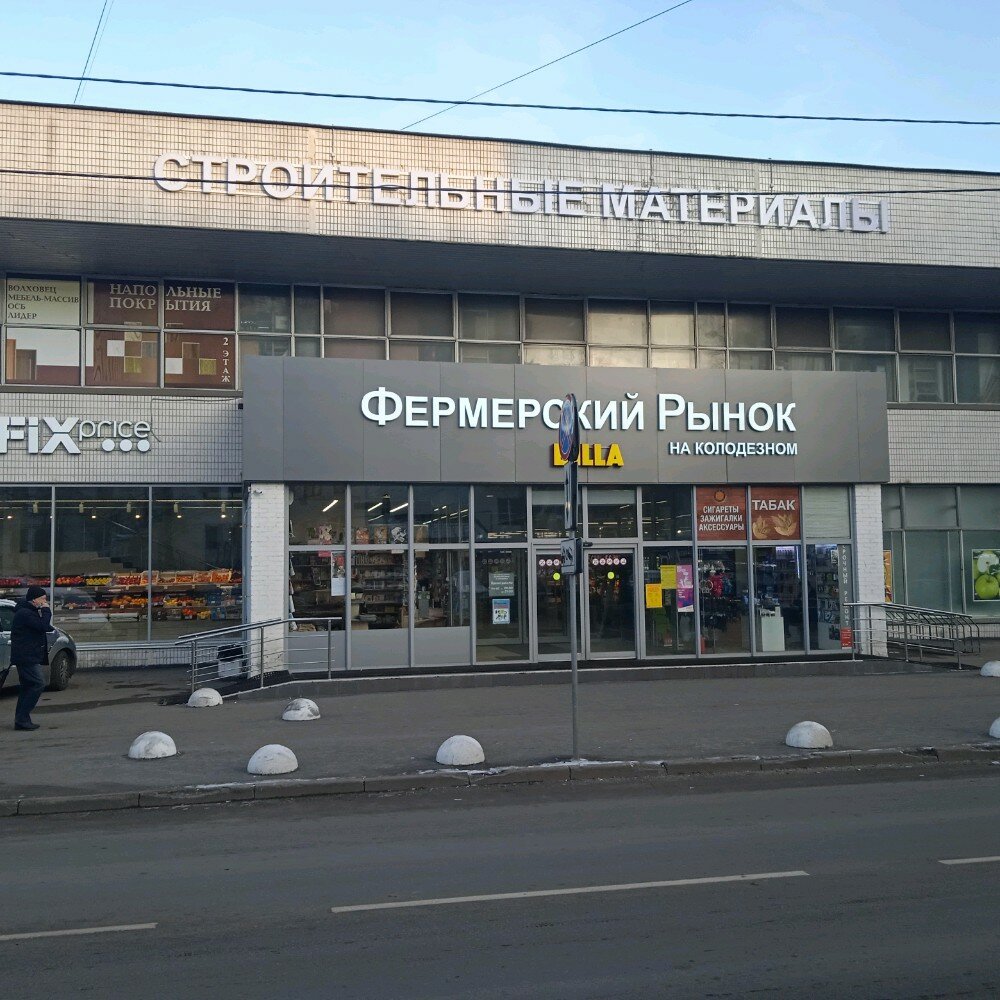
point(72, 435)
point(448, 191)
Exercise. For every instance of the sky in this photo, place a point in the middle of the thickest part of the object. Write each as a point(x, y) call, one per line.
point(875, 58)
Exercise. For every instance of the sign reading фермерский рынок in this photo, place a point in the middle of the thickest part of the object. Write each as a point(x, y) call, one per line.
point(48, 435)
point(458, 191)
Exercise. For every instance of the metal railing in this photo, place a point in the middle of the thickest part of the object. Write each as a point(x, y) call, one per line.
point(249, 655)
point(897, 631)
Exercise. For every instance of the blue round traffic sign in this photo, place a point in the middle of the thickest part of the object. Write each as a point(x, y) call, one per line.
point(569, 430)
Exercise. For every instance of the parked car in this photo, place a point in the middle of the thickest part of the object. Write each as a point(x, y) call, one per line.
point(62, 650)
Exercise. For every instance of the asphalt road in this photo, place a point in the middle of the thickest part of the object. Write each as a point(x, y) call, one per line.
point(239, 901)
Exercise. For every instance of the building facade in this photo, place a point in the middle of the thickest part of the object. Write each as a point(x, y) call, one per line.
point(254, 370)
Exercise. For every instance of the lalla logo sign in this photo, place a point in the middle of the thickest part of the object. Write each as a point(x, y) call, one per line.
point(48, 435)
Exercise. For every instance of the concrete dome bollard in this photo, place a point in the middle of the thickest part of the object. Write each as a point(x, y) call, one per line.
point(205, 698)
point(995, 729)
point(300, 710)
point(273, 759)
point(808, 736)
point(151, 746)
point(460, 751)
point(991, 669)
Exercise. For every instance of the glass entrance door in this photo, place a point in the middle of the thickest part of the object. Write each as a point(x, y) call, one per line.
point(610, 607)
point(551, 606)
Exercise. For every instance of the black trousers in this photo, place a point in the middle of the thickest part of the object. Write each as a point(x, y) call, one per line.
point(32, 682)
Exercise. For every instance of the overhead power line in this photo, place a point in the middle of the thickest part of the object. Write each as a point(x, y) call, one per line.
point(551, 62)
point(686, 113)
point(393, 188)
point(95, 44)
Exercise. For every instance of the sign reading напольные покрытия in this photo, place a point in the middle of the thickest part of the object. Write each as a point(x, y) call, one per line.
point(456, 191)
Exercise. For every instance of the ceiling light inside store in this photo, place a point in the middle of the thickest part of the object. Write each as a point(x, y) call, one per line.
point(332, 503)
point(374, 506)
point(402, 506)
point(80, 508)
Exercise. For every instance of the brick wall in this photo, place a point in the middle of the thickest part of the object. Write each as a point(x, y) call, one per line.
point(944, 446)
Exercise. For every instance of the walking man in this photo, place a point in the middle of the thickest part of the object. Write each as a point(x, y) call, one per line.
point(29, 649)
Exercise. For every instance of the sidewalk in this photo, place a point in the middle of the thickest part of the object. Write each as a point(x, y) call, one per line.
point(83, 749)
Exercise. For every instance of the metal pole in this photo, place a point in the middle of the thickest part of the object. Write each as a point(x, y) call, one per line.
point(573, 584)
point(262, 657)
point(194, 663)
point(329, 648)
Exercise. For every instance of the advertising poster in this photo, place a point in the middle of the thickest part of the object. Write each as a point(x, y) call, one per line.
point(721, 513)
point(685, 587)
point(985, 575)
point(197, 305)
point(44, 301)
point(501, 610)
point(125, 303)
point(338, 575)
point(668, 577)
point(887, 574)
point(774, 513)
point(654, 595)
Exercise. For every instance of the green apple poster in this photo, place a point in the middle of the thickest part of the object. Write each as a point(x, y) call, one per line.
point(985, 575)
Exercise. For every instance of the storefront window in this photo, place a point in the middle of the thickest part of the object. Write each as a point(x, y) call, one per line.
point(933, 568)
point(43, 301)
point(319, 589)
point(982, 560)
point(558, 321)
point(712, 359)
point(925, 378)
point(547, 516)
point(501, 605)
point(618, 357)
point(42, 357)
point(199, 361)
point(265, 308)
point(749, 326)
point(864, 329)
point(101, 563)
point(826, 511)
point(671, 324)
point(490, 354)
point(25, 538)
point(883, 363)
point(123, 302)
point(264, 347)
point(440, 514)
point(198, 305)
point(666, 513)
point(711, 324)
point(796, 361)
point(372, 350)
point(379, 513)
point(778, 598)
point(501, 514)
point(892, 507)
point(316, 514)
point(308, 347)
point(801, 327)
point(931, 507)
point(977, 333)
point(755, 361)
point(197, 571)
point(421, 350)
point(441, 588)
point(723, 600)
point(924, 331)
point(831, 588)
point(611, 512)
point(354, 312)
point(669, 605)
point(416, 314)
point(544, 354)
point(980, 506)
point(671, 359)
point(307, 308)
point(379, 593)
point(122, 357)
point(489, 317)
point(615, 322)
point(978, 380)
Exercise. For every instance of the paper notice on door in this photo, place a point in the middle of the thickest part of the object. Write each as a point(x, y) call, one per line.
point(668, 577)
point(654, 595)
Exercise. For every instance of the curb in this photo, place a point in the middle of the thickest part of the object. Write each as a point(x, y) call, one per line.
point(287, 788)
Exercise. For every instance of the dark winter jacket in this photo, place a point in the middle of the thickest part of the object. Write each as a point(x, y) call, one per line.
point(28, 643)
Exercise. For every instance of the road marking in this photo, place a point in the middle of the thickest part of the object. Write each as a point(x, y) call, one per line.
point(970, 861)
point(578, 891)
point(72, 931)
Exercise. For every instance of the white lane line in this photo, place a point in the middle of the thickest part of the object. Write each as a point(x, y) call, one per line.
point(73, 931)
point(578, 891)
point(970, 861)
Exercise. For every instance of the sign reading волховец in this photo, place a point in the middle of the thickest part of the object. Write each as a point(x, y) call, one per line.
point(309, 419)
point(454, 190)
